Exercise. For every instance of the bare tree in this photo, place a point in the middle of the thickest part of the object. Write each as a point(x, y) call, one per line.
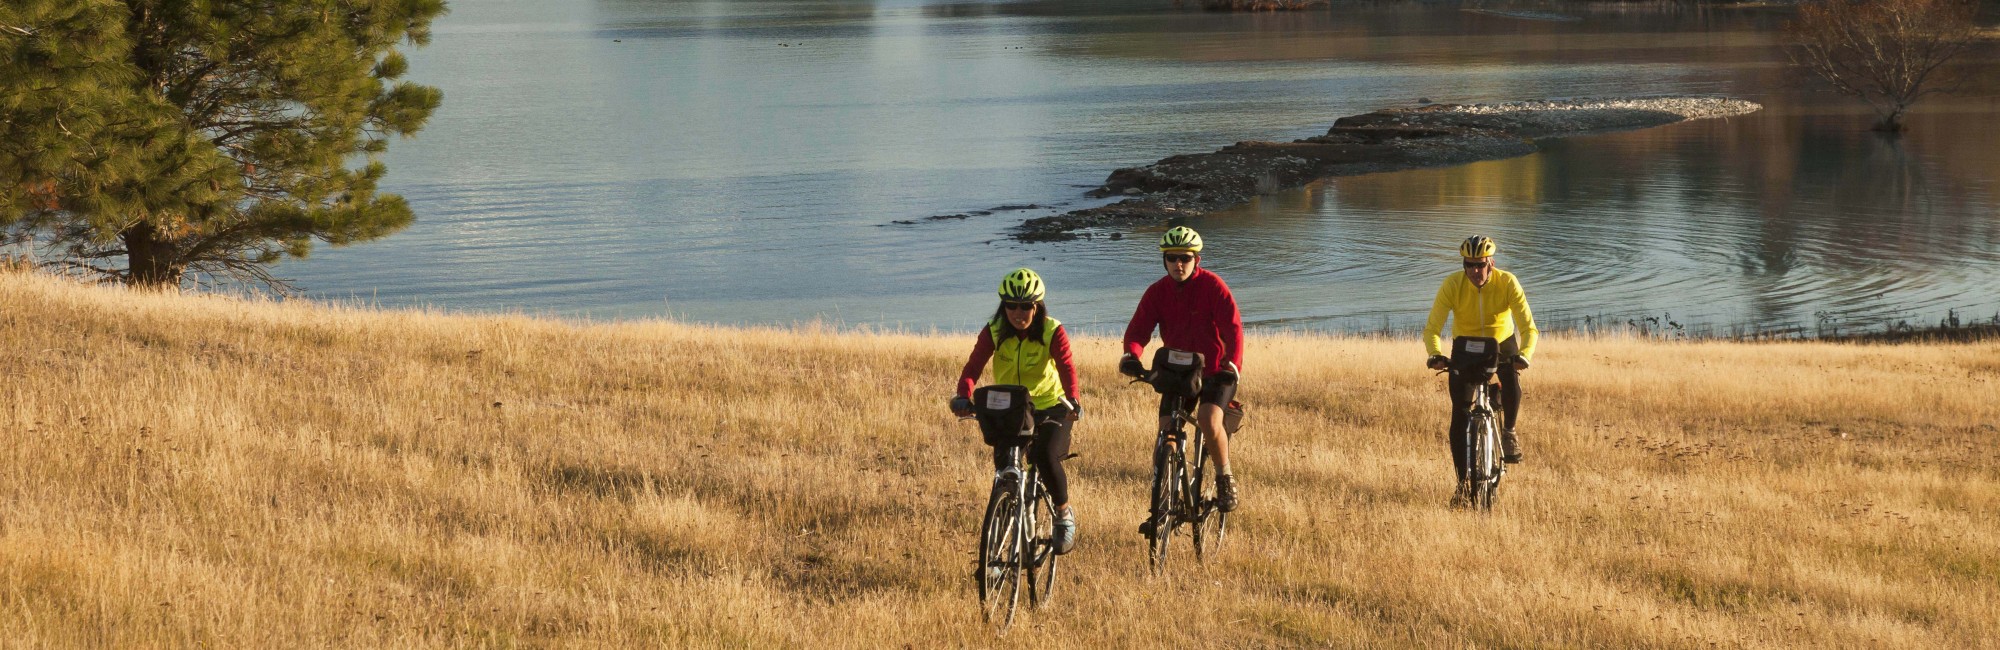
point(1889, 53)
point(1252, 5)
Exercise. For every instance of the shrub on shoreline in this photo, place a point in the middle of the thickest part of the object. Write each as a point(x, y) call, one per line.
point(1254, 5)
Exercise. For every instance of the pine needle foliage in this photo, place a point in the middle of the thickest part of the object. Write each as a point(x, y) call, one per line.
point(157, 141)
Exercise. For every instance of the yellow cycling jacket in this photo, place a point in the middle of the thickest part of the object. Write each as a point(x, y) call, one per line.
point(1019, 362)
point(1496, 310)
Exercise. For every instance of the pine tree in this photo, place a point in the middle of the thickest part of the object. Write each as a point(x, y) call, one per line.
point(153, 139)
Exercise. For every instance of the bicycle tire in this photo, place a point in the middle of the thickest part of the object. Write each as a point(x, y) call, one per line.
point(1166, 488)
point(999, 555)
point(1484, 469)
point(1016, 561)
point(1042, 568)
point(1211, 524)
point(1494, 408)
point(1499, 466)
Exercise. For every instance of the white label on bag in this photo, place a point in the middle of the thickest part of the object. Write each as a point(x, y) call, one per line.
point(1177, 357)
point(999, 401)
point(1475, 346)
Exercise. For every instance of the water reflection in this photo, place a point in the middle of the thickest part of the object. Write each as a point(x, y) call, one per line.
point(743, 162)
point(1768, 220)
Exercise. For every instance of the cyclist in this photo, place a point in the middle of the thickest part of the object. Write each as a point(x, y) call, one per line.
point(1194, 311)
point(1029, 348)
point(1488, 302)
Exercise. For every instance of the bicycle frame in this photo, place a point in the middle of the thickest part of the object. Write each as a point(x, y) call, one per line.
point(1176, 494)
point(1197, 444)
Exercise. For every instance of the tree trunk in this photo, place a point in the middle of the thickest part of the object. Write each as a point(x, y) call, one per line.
point(151, 260)
point(1891, 123)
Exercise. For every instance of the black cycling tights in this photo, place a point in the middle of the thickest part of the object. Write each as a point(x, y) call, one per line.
point(1046, 452)
point(1461, 409)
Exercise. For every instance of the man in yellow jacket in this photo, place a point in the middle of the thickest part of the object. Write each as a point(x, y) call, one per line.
point(1486, 302)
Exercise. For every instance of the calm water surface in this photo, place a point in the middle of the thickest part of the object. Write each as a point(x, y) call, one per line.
point(742, 162)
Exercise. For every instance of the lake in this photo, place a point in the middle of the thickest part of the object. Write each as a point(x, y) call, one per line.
point(743, 162)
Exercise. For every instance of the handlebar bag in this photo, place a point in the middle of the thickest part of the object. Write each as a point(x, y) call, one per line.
point(1005, 413)
point(1177, 372)
point(1475, 356)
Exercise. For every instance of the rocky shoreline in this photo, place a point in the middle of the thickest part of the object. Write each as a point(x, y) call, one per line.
point(1432, 135)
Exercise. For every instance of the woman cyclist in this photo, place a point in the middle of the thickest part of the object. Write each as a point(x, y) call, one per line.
point(1028, 348)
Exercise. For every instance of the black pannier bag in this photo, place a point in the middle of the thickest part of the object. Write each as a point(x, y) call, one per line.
point(1177, 372)
point(1475, 357)
point(1006, 414)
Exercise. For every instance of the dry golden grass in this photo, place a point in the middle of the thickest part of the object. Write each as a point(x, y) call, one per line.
point(198, 471)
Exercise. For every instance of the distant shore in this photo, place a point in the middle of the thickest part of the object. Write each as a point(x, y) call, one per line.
point(1393, 139)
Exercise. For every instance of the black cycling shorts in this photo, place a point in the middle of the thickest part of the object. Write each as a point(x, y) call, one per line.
point(1218, 389)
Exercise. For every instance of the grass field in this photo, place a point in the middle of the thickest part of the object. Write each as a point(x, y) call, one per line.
point(201, 471)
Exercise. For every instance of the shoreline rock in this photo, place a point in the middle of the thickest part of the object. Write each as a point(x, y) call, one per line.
point(1395, 139)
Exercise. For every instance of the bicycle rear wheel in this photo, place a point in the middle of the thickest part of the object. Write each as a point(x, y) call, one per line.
point(1211, 524)
point(1042, 554)
point(999, 571)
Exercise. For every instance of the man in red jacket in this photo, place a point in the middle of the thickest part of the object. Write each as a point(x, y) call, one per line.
point(1194, 311)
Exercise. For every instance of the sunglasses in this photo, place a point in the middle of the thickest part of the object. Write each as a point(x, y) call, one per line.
point(1018, 306)
point(1475, 265)
point(1181, 258)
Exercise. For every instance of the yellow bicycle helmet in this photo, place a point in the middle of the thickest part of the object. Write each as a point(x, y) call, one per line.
point(1180, 239)
point(1024, 285)
point(1477, 246)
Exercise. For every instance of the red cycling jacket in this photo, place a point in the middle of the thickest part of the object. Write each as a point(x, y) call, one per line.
point(1198, 315)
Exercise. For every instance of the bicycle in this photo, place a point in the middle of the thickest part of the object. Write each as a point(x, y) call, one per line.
point(1479, 482)
point(1017, 535)
point(1178, 495)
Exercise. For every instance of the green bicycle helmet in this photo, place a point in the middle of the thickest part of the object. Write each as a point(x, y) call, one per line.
point(1477, 246)
point(1180, 239)
point(1023, 284)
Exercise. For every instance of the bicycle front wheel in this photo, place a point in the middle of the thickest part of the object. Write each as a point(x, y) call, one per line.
point(999, 556)
point(1485, 468)
point(1166, 500)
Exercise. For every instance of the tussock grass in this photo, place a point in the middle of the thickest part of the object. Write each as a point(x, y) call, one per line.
point(200, 471)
